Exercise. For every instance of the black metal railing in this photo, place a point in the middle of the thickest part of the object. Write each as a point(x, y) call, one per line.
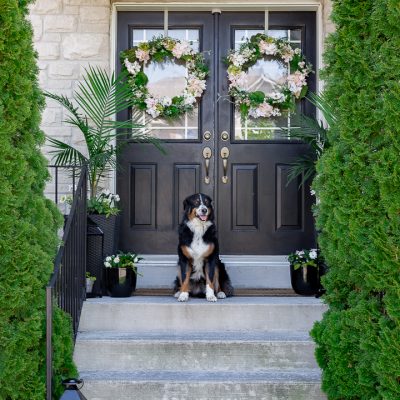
point(68, 175)
point(66, 287)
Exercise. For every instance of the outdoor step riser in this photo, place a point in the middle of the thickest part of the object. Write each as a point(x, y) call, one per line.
point(155, 276)
point(197, 356)
point(172, 390)
point(199, 317)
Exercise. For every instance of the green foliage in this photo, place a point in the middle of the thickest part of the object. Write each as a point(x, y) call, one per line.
point(315, 134)
point(105, 203)
point(99, 97)
point(28, 222)
point(358, 185)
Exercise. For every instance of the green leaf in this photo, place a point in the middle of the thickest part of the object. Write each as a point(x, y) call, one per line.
point(141, 79)
point(257, 97)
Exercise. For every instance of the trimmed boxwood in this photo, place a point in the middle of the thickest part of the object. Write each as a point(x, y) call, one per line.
point(28, 221)
point(358, 184)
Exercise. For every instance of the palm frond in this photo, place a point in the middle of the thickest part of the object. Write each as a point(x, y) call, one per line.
point(303, 167)
point(320, 101)
point(64, 154)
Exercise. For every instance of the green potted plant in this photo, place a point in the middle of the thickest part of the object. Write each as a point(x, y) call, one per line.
point(99, 97)
point(121, 274)
point(306, 268)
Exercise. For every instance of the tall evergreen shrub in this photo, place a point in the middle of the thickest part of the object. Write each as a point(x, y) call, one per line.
point(28, 222)
point(358, 340)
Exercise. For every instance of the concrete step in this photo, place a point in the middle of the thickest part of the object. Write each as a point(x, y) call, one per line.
point(207, 351)
point(246, 272)
point(182, 385)
point(250, 314)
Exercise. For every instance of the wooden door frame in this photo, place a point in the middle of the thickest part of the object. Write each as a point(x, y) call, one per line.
point(261, 5)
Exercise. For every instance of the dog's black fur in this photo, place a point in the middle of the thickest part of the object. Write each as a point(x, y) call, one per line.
point(198, 252)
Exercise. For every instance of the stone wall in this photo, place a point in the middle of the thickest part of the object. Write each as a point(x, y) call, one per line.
point(70, 35)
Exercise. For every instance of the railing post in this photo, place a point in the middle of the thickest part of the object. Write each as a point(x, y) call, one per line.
point(49, 342)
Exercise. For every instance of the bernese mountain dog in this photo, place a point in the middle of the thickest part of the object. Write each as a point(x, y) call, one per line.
point(200, 270)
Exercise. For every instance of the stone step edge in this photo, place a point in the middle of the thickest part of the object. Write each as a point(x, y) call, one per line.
point(295, 376)
point(245, 292)
point(230, 337)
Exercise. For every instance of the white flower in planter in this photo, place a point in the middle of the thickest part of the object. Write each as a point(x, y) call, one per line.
point(313, 254)
point(107, 264)
point(116, 260)
point(108, 258)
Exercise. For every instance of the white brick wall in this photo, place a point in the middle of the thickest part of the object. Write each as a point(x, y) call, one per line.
point(69, 35)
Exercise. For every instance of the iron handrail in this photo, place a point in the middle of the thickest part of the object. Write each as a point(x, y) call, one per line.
point(67, 282)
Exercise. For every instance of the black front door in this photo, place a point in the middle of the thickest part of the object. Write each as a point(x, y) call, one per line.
point(258, 213)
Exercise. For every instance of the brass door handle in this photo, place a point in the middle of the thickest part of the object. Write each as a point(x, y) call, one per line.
point(225, 156)
point(207, 155)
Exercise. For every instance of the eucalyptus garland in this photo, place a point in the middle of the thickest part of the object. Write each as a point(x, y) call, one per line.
point(258, 104)
point(161, 49)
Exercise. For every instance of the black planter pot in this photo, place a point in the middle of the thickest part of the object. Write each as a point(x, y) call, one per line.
point(305, 281)
point(109, 226)
point(120, 282)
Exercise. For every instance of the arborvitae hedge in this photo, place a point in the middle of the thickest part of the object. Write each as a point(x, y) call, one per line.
point(28, 222)
point(358, 341)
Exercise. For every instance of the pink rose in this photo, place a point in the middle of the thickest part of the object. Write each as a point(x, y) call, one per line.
point(142, 55)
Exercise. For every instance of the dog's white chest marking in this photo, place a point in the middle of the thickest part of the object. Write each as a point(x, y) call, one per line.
point(198, 246)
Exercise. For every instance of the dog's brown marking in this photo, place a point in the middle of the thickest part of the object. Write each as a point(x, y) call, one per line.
point(214, 284)
point(186, 282)
point(192, 214)
point(186, 252)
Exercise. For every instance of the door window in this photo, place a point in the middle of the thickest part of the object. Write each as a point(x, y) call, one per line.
point(168, 79)
point(265, 76)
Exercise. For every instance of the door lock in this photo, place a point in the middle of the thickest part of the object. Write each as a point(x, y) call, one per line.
point(207, 153)
point(207, 135)
point(225, 156)
point(224, 136)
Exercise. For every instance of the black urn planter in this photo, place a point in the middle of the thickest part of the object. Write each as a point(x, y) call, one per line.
point(305, 280)
point(120, 282)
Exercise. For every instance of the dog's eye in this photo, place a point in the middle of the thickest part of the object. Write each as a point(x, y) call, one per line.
point(196, 203)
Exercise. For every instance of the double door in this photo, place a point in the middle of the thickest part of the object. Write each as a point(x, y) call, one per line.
point(241, 165)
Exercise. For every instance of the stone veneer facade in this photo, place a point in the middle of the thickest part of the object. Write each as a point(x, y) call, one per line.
point(69, 35)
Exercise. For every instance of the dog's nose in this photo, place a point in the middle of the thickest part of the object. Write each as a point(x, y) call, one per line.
point(203, 210)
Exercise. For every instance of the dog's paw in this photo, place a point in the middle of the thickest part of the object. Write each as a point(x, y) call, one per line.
point(183, 296)
point(210, 296)
point(221, 295)
point(177, 294)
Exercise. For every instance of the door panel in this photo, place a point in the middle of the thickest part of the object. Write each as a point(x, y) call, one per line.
point(152, 201)
point(257, 212)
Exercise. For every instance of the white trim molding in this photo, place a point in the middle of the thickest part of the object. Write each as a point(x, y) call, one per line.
point(292, 5)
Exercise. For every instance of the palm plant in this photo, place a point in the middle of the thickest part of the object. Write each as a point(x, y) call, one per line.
point(99, 97)
point(315, 134)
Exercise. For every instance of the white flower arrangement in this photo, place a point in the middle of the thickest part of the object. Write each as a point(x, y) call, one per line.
point(305, 258)
point(259, 104)
point(123, 260)
point(158, 50)
point(106, 203)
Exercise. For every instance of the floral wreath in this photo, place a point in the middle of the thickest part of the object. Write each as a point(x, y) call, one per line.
point(259, 104)
point(159, 49)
